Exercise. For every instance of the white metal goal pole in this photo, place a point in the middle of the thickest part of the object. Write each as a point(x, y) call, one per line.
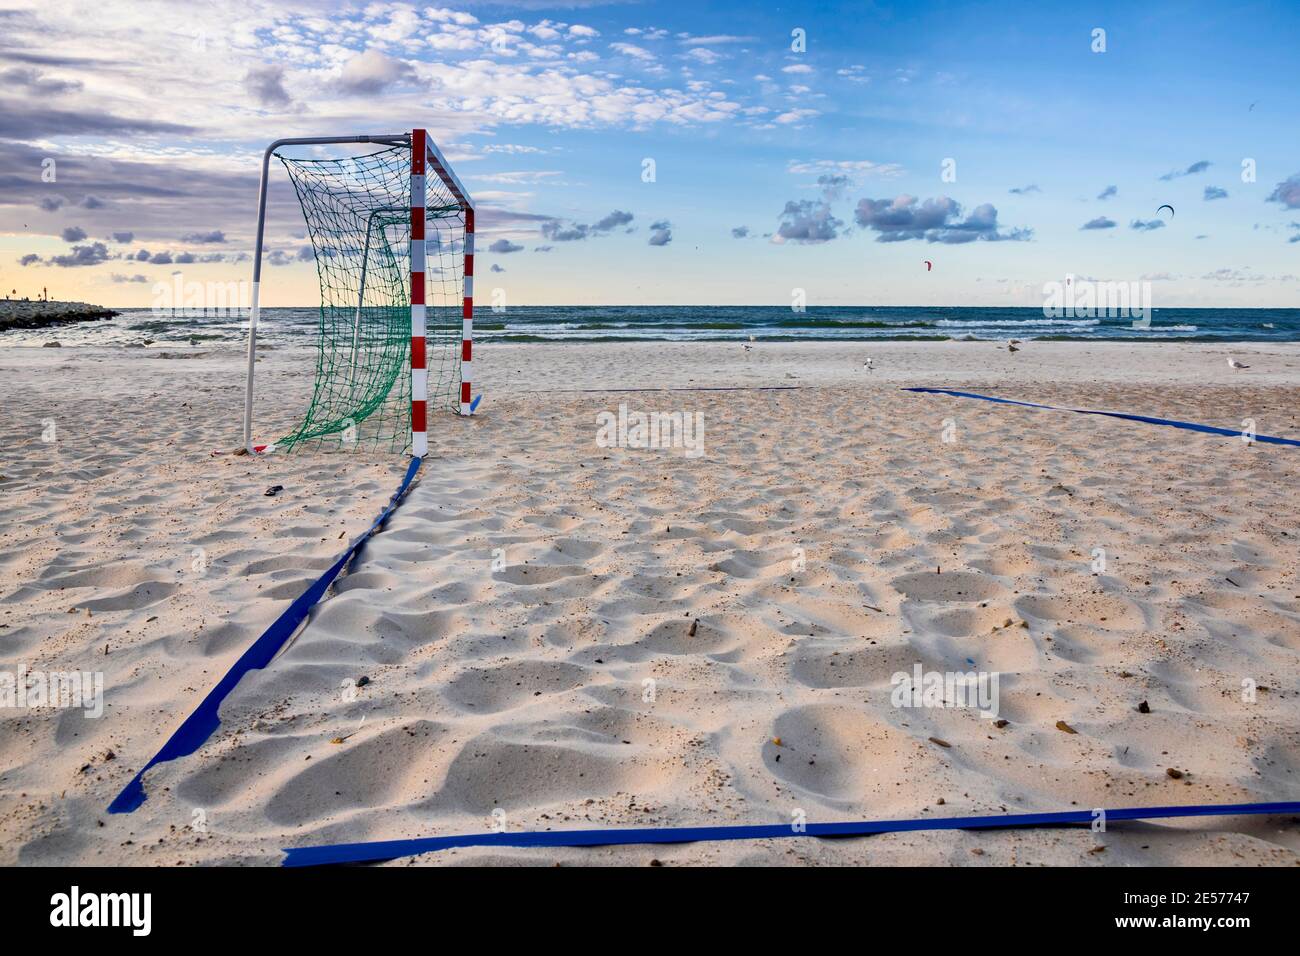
point(391, 139)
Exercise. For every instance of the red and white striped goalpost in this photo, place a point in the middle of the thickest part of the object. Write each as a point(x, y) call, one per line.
point(467, 316)
point(424, 154)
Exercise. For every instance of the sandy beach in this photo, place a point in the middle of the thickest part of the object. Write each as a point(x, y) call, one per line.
point(560, 635)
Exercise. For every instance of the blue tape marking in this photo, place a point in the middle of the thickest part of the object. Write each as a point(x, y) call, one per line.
point(474, 404)
point(201, 724)
point(1172, 423)
point(392, 849)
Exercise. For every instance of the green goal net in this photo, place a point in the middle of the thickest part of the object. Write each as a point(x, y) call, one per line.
point(358, 214)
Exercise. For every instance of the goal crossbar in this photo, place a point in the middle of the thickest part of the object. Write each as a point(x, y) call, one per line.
point(424, 157)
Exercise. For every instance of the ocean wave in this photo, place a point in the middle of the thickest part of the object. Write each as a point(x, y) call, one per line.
point(526, 337)
point(994, 323)
point(851, 324)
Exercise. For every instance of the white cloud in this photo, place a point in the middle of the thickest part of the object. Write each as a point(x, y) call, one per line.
point(704, 55)
point(558, 96)
point(510, 149)
point(797, 68)
point(453, 38)
point(445, 14)
point(519, 177)
point(372, 72)
point(546, 30)
point(714, 40)
point(632, 50)
point(796, 116)
point(853, 167)
point(402, 23)
point(541, 52)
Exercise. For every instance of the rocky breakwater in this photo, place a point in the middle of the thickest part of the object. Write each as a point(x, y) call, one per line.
point(39, 314)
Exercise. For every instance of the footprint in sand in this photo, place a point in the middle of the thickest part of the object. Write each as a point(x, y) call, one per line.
point(948, 586)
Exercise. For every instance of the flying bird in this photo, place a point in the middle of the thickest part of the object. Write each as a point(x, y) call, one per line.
point(1233, 363)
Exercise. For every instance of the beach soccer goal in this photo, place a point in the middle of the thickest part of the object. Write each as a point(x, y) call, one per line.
point(392, 236)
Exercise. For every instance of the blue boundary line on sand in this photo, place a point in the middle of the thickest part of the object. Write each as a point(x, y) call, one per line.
point(1170, 422)
point(203, 723)
point(392, 849)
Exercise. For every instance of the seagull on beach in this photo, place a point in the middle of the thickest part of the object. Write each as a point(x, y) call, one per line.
point(867, 364)
point(1233, 363)
point(1012, 348)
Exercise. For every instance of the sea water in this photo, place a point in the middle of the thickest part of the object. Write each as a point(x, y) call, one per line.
point(288, 326)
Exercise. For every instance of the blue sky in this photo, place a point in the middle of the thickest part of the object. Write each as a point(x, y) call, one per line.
point(831, 158)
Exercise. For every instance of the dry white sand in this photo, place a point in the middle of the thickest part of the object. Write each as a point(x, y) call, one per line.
point(126, 548)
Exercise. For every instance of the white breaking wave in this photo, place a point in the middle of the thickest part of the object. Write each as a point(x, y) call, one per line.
point(1012, 324)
